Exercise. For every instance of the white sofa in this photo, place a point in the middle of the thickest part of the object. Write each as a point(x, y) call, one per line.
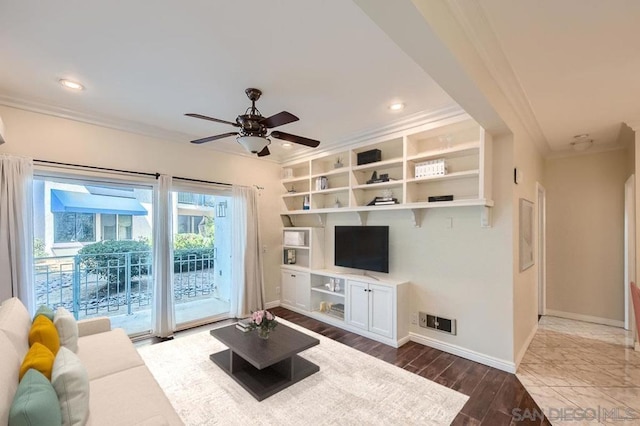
point(122, 390)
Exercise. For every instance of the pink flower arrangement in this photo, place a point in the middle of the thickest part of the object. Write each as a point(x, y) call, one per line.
point(263, 320)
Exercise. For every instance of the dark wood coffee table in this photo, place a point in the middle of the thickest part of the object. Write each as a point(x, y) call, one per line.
point(264, 367)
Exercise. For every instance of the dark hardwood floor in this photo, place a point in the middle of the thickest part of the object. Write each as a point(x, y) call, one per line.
point(493, 394)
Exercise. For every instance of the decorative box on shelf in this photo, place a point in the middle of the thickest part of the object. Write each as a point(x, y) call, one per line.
point(431, 168)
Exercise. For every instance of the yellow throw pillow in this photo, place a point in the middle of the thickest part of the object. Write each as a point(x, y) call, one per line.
point(39, 358)
point(44, 331)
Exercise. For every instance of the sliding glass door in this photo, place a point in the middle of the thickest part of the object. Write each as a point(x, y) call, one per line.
point(202, 256)
point(93, 249)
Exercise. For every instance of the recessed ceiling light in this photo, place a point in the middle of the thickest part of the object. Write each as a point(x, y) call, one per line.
point(398, 106)
point(286, 145)
point(69, 84)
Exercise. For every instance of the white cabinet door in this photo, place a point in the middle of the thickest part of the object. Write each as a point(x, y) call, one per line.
point(357, 309)
point(381, 310)
point(302, 290)
point(288, 287)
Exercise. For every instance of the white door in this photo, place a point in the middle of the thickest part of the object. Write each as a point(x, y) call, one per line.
point(288, 284)
point(381, 310)
point(302, 290)
point(629, 248)
point(357, 309)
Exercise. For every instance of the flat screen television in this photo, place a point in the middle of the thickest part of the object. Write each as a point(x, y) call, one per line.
point(362, 247)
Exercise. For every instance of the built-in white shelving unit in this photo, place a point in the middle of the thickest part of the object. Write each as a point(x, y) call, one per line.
point(461, 143)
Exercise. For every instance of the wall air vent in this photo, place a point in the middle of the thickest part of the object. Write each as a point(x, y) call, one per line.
point(434, 322)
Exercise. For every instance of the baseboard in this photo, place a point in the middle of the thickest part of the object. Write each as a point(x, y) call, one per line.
point(272, 304)
point(498, 363)
point(586, 318)
point(525, 346)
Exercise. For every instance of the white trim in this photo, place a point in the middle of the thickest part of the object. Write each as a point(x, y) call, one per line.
point(636, 347)
point(480, 34)
point(523, 349)
point(541, 244)
point(272, 304)
point(586, 318)
point(498, 363)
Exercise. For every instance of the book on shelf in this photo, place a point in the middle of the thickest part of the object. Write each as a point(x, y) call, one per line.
point(382, 201)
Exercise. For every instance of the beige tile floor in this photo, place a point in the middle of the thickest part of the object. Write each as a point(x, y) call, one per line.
point(583, 373)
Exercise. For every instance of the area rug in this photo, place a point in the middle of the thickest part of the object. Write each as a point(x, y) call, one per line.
point(351, 388)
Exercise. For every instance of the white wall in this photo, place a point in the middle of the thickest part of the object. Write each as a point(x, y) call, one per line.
point(585, 240)
point(50, 138)
point(525, 284)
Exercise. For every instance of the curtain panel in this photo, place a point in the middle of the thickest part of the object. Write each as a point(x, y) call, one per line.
point(16, 230)
point(163, 321)
point(247, 293)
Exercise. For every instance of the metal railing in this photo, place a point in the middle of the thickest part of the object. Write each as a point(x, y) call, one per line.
point(116, 283)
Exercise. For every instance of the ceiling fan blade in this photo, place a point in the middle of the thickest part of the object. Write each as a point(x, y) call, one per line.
point(295, 139)
point(217, 120)
point(264, 152)
point(279, 119)
point(213, 138)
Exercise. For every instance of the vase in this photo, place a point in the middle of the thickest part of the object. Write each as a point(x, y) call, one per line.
point(263, 333)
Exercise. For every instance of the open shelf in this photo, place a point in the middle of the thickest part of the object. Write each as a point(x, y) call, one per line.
point(455, 175)
point(325, 291)
point(451, 152)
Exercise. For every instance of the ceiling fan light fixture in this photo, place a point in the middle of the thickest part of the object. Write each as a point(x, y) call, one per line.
point(253, 144)
point(70, 84)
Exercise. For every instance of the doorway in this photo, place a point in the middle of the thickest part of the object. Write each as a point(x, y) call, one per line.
point(541, 270)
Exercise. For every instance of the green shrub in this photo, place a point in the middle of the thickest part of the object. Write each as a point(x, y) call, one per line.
point(190, 241)
point(107, 259)
point(193, 259)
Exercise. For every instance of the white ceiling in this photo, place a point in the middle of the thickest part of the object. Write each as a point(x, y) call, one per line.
point(577, 61)
point(575, 64)
point(146, 63)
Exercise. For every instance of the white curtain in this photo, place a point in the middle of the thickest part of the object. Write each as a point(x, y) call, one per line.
point(16, 230)
point(247, 293)
point(164, 321)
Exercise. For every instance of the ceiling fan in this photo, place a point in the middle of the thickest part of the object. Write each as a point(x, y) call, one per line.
point(253, 128)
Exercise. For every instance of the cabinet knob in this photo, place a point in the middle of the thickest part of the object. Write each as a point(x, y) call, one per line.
point(293, 276)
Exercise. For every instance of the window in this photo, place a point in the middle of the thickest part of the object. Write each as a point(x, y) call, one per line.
point(72, 227)
point(189, 224)
point(116, 227)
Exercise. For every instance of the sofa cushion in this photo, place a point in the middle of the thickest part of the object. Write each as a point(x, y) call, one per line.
point(71, 382)
point(35, 402)
point(67, 327)
point(15, 321)
point(44, 331)
point(107, 353)
point(39, 358)
point(128, 398)
point(44, 310)
point(9, 368)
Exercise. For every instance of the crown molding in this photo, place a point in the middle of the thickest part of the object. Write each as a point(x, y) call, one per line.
point(479, 31)
point(400, 125)
point(124, 125)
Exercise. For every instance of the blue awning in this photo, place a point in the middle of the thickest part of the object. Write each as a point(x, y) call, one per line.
point(80, 202)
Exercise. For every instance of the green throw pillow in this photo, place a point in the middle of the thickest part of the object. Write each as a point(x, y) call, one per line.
point(35, 402)
point(46, 311)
